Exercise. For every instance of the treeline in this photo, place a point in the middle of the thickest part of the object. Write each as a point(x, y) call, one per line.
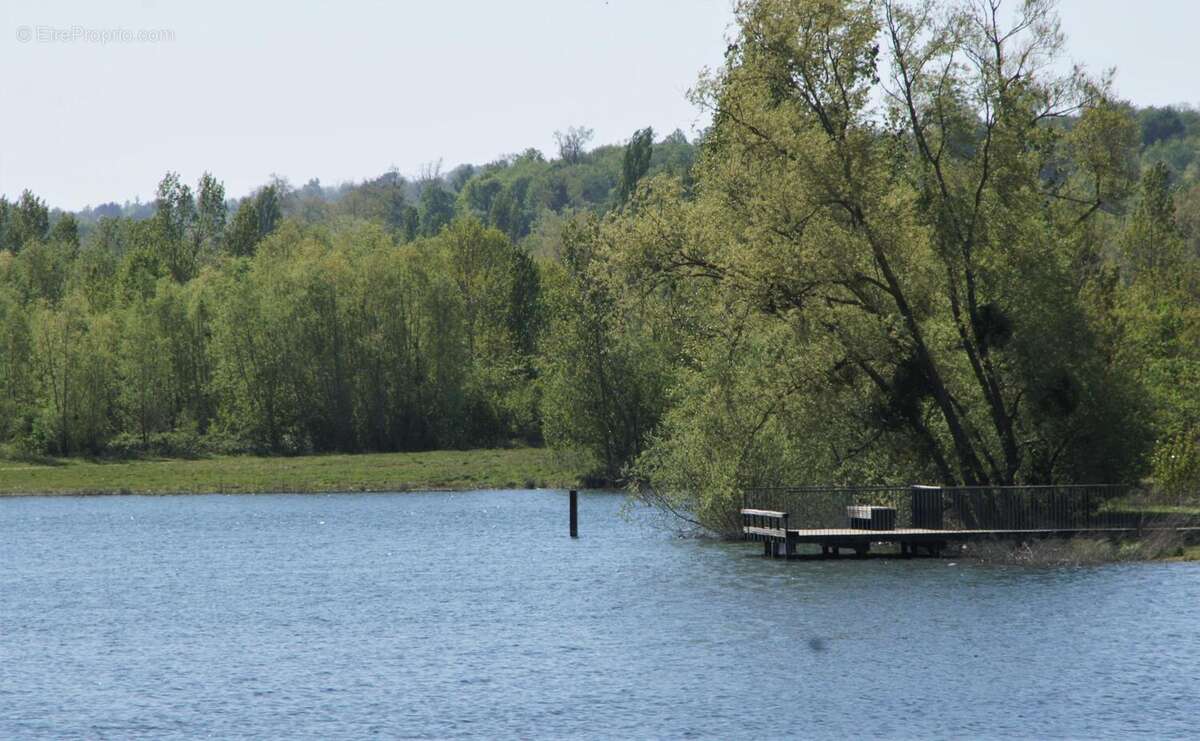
point(326, 339)
point(395, 314)
point(905, 250)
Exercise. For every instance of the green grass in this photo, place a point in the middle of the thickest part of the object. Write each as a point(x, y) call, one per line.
point(1155, 509)
point(446, 469)
point(1186, 553)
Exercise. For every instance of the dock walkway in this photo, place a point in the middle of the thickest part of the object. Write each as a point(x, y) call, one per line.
point(930, 518)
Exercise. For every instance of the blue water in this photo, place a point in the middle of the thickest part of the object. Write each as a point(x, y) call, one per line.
point(448, 615)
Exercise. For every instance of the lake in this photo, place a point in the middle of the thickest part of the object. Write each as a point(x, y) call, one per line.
point(473, 614)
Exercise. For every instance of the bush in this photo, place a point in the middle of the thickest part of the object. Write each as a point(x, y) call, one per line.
point(1176, 464)
point(181, 443)
point(1081, 551)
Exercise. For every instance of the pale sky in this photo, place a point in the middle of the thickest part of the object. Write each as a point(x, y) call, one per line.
point(345, 89)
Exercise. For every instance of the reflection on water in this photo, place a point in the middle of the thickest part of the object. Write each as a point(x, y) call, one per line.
point(475, 615)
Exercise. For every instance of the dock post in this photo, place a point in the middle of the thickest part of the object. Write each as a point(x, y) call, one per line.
point(574, 514)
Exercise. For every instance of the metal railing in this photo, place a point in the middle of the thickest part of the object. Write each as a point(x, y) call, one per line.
point(1013, 508)
point(823, 507)
point(1037, 508)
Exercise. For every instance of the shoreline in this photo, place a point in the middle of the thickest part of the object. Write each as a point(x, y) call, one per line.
point(266, 492)
point(443, 470)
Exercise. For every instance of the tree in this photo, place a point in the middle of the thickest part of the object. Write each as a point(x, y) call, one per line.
point(921, 260)
point(460, 176)
point(255, 218)
point(497, 288)
point(74, 367)
point(572, 143)
point(1158, 311)
point(243, 235)
point(28, 220)
point(175, 218)
point(604, 373)
point(479, 192)
point(42, 268)
point(250, 345)
point(382, 199)
point(1159, 124)
point(636, 162)
point(16, 346)
point(211, 212)
point(66, 231)
point(268, 207)
point(6, 231)
point(507, 213)
point(436, 209)
point(145, 374)
point(410, 224)
point(1151, 241)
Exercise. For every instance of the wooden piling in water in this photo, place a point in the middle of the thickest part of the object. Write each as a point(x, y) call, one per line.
point(574, 514)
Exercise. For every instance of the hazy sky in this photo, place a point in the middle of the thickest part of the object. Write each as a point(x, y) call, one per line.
point(346, 89)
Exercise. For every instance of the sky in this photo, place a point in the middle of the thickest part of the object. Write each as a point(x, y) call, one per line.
point(101, 99)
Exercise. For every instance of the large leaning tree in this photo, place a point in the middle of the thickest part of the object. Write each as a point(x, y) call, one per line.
point(906, 199)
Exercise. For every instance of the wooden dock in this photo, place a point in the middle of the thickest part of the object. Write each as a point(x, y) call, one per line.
point(780, 540)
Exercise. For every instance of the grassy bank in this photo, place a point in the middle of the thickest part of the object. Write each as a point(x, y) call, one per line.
point(1187, 553)
point(465, 469)
point(1161, 545)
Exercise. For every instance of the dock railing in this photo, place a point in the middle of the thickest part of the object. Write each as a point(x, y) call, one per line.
point(1038, 508)
point(1050, 508)
point(824, 507)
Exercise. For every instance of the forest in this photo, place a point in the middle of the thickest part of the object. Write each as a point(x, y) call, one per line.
point(912, 245)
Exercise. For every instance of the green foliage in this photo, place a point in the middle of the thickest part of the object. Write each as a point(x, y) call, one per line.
point(27, 221)
point(188, 229)
point(1159, 124)
point(256, 217)
point(1176, 464)
point(479, 192)
point(65, 231)
point(636, 162)
point(938, 229)
point(337, 340)
point(16, 373)
point(144, 365)
point(175, 219)
point(243, 232)
point(1151, 241)
point(604, 369)
point(320, 338)
point(517, 193)
point(436, 209)
point(211, 212)
point(384, 200)
point(1157, 308)
point(41, 270)
point(75, 382)
point(916, 279)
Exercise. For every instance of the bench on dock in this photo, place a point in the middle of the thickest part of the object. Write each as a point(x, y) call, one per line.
point(771, 527)
point(863, 517)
